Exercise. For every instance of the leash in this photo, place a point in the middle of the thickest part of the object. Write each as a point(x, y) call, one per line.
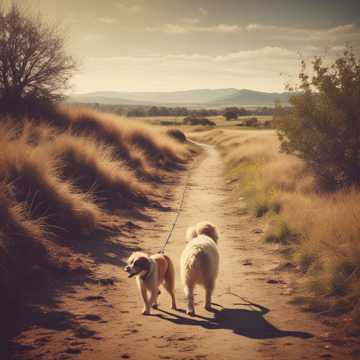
point(177, 215)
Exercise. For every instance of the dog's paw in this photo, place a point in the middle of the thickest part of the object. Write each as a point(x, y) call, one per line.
point(146, 312)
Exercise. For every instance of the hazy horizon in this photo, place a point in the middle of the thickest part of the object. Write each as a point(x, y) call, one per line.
point(167, 45)
point(170, 91)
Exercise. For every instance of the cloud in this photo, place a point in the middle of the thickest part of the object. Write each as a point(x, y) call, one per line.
point(189, 21)
point(265, 68)
point(254, 27)
point(106, 20)
point(203, 12)
point(265, 52)
point(341, 33)
point(257, 68)
point(92, 37)
point(190, 26)
point(225, 28)
point(134, 8)
point(239, 56)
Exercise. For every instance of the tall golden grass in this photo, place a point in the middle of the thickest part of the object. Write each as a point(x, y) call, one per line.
point(73, 175)
point(322, 229)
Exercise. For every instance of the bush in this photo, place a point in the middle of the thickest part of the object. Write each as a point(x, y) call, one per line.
point(268, 124)
point(230, 115)
point(323, 125)
point(177, 135)
point(251, 122)
point(198, 121)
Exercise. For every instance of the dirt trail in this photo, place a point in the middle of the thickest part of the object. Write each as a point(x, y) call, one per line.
point(104, 321)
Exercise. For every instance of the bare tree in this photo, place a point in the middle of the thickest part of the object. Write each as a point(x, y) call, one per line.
point(33, 62)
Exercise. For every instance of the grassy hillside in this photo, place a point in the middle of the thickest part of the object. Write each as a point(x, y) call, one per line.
point(321, 229)
point(71, 177)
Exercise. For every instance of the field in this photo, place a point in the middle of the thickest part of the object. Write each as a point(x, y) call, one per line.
point(220, 121)
point(319, 231)
point(82, 190)
point(72, 178)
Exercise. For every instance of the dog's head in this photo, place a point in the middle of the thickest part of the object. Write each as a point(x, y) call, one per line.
point(137, 264)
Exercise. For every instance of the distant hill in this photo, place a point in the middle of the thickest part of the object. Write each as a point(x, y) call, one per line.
point(200, 97)
point(253, 98)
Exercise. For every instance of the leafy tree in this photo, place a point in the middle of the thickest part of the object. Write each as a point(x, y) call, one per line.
point(231, 113)
point(323, 124)
point(33, 63)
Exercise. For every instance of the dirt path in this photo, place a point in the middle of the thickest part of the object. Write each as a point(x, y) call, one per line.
point(103, 320)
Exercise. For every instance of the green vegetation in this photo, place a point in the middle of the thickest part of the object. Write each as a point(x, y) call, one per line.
point(323, 125)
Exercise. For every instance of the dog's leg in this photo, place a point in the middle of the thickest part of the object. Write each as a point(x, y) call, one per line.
point(189, 293)
point(154, 297)
point(146, 310)
point(169, 287)
point(173, 301)
point(209, 288)
point(171, 293)
point(169, 282)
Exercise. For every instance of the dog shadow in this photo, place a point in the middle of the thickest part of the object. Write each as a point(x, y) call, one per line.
point(250, 323)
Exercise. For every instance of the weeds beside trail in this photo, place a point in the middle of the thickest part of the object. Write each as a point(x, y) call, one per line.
point(72, 176)
point(321, 229)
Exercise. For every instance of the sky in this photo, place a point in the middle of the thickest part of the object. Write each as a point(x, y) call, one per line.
point(167, 45)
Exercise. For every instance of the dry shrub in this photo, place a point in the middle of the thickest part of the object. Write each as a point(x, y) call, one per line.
point(21, 248)
point(34, 176)
point(158, 149)
point(142, 147)
point(93, 167)
point(177, 135)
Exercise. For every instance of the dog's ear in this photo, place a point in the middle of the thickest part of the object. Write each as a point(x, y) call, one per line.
point(142, 263)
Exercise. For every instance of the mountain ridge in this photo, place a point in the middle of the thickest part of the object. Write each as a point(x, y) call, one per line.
point(204, 97)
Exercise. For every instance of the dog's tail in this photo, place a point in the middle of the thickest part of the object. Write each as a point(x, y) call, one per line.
point(169, 280)
point(191, 233)
point(208, 229)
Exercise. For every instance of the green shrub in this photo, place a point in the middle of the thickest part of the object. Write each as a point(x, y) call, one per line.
point(323, 124)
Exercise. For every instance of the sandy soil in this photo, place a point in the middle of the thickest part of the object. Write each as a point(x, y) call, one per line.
point(254, 318)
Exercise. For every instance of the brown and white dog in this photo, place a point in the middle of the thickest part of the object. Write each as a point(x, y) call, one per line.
point(151, 272)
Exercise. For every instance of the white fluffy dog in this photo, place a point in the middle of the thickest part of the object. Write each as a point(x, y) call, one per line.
point(200, 262)
point(151, 272)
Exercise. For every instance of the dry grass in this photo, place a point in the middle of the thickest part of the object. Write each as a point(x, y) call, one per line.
point(93, 167)
point(138, 144)
point(322, 229)
point(73, 176)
